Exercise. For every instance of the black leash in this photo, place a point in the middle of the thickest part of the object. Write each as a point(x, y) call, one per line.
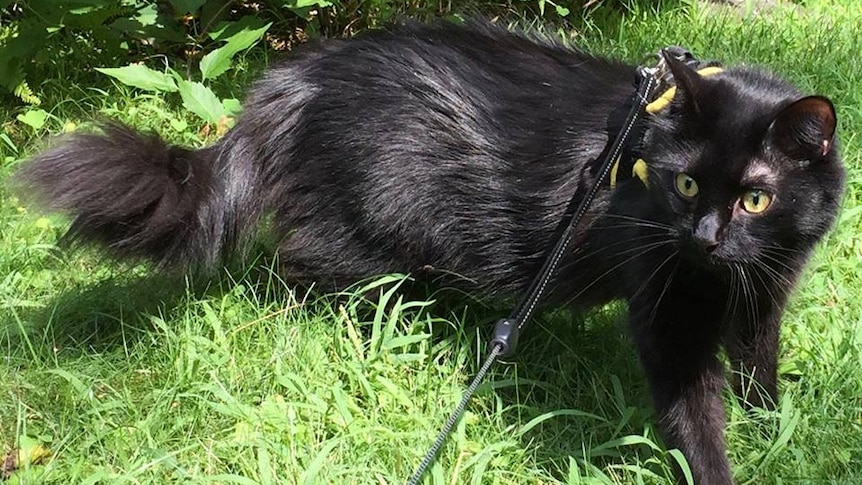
point(507, 330)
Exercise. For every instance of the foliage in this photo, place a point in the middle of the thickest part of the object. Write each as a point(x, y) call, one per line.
point(39, 32)
point(36, 35)
point(197, 97)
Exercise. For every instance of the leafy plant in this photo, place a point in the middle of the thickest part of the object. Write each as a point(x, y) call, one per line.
point(37, 35)
point(197, 97)
point(561, 9)
point(34, 118)
point(31, 40)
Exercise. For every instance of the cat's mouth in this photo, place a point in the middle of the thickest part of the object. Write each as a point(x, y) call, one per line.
point(706, 257)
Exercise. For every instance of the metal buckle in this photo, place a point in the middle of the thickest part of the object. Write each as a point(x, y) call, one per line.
point(661, 72)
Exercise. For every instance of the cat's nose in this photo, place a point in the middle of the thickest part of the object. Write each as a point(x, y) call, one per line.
point(707, 232)
point(708, 244)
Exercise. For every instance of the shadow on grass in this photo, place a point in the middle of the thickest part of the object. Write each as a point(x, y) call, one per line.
point(578, 374)
point(98, 315)
point(565, 361)
point(114, 311)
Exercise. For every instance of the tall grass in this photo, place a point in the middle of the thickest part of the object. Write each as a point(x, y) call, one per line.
point(132, 377)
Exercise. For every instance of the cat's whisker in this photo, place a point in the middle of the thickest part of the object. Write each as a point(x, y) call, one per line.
point(776, 272)
point(737, 289)
point(667, 284)
point(606, 248)
point(730, 304)
point(781, 249)
point(766, 285)
point(649, 243)
point(621, 242)
point(641, 251)
point(630, 225)
point(778, 259)
point(750, 294)
point(651, 223)
point(652, 274)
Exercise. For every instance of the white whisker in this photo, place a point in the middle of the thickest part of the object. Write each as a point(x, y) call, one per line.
point(667, 284)
point(582, 257)
point(653, 273)
point(643, 250)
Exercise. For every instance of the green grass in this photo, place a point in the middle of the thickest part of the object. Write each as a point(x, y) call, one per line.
point(132, 377)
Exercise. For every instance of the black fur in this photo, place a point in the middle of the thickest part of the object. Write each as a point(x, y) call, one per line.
point(454, 150)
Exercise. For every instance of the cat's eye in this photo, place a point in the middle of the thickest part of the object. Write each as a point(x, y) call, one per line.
point(686, 186)
point(756, 201)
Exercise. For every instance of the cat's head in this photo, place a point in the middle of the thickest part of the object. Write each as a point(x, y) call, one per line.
point(743, 166)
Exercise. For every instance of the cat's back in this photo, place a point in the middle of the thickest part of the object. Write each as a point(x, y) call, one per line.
point(475, 45)
point(443, 145)
point(475, 85)
point(477, 58)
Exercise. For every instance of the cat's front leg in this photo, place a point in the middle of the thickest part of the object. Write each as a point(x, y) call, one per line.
point(752, 347)
point(686, 379)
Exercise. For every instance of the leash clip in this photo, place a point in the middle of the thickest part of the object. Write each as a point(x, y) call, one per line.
point(506, 332)
point(661, 71)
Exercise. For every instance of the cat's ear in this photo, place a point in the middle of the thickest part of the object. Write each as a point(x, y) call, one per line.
point(687, 80)
point(805, 129)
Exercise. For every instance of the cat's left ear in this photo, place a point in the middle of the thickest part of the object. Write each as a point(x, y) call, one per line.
point(687, 80)
point(805, 129)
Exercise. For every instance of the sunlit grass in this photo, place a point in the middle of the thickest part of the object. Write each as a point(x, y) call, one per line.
point(131, 377)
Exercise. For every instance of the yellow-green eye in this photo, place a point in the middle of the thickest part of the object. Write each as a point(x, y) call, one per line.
point(686, 185)
point(756, 201)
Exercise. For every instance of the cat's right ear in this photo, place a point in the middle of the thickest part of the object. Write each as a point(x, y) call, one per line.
point(687, 80)
point(805, 129)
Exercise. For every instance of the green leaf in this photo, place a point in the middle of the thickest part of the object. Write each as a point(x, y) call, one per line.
point(552, 414)
point(215, 63)
point(264, 464)
point(26, 94)
point(310, 3)
point(309, 476)
point(148, 15)
point(83, 390)
point(201, 101)
point(562, 11)
point(683, 465)
point(218, 61)
point(140, 76)
point(31, 452)
point(83, 10)
point(232, 106)
point(179, 125)
point(35, 118)
point(225, 29)
point(606, 448)
point(9, 143)
point(404, 341)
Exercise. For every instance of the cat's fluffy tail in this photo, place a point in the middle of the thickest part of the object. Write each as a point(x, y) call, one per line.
point(134, 194)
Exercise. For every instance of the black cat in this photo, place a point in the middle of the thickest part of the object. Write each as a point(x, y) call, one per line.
point(456, 148)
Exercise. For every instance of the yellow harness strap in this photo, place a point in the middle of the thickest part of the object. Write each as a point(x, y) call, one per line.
point(641, 171)
point(662, 101)
point(640, 168)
